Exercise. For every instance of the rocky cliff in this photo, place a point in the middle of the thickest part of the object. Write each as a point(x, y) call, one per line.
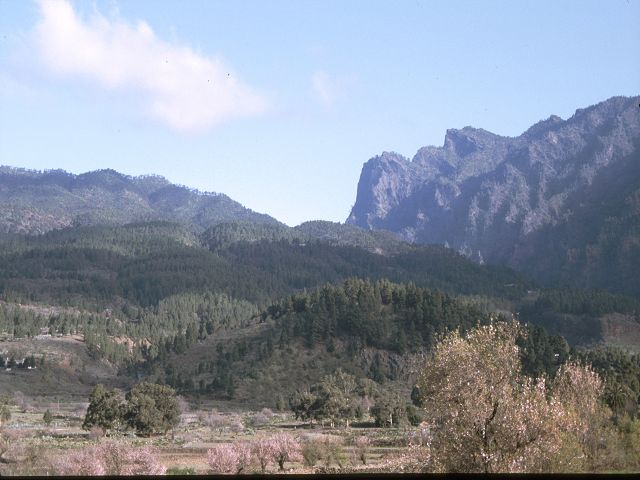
point(561, 201)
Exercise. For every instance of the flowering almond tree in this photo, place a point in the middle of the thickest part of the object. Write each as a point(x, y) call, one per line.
point(143, 461)
point(262, 449)
point(229, 458)
point(78, 462)
point(584, 421)
point(485, 416)
point(109, 458)
point(362, 445)
point(285, 448)
point(280, 448)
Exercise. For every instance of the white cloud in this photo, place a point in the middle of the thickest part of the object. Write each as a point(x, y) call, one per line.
point(330, 89)
point(186, 90)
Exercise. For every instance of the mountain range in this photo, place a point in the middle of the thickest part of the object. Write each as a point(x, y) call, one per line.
point(560, 202)
point(192, 289)
point(36, 202)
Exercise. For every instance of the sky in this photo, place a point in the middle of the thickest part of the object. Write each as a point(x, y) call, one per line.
point(279, 103)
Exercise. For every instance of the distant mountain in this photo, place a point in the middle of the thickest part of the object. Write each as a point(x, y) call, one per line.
point(560, 202)
point(37, 202)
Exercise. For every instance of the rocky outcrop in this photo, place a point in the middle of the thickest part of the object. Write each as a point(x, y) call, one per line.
point(559, 201)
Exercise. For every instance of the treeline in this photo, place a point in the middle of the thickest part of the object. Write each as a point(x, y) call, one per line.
point(95, 267)
point(180, 321)
point(342, 320)
point(397, 317)
point(150, 335)
point(223, 235)
point(96, 279)
point(311, 264)
point(23, 322)
point(130, 240)
point(144, 294)
point(379, 241)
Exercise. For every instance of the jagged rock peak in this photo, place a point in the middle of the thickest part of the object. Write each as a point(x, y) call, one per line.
point(519, 200)
point(470, 140)
point(544, 126)
point(391, 157)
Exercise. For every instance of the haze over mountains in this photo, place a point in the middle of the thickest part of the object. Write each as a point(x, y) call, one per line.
point(560, 202)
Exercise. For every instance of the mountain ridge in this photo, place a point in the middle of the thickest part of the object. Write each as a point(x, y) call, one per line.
point(492, 197)
point(35, 202)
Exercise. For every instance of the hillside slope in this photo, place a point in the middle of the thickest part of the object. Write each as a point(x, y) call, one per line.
point(36, 202)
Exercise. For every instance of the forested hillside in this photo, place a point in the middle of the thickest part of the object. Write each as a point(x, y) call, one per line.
point(327, 321)
point(143, 263)
point(36, 202)
point(144, 293)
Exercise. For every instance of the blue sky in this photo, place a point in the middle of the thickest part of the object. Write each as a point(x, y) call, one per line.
point(279, 103)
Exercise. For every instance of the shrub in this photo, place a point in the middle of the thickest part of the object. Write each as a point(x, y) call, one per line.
point(362, 446)
point(176, 470)
point(47, 418)
point(78, 462)
point(236, 425)
point(216, 421)
point(333, 451)
point(419, 437)
point(258, 420)
point(312, 451)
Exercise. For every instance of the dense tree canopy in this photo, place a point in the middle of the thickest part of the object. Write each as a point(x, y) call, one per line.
point(381, 314)
point(105, 409)
point(148, 408)
point(151, 408)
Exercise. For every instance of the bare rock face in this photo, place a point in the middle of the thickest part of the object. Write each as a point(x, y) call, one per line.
point(561, 201)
